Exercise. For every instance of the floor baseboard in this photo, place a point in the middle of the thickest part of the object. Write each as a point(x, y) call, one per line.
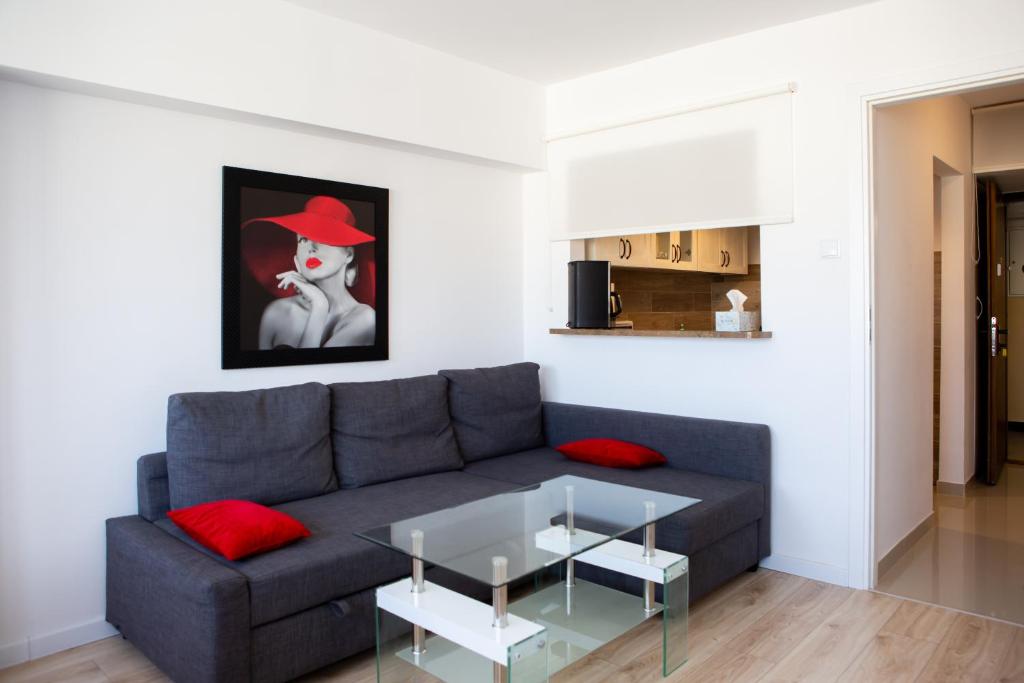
point(13, 653)
point(40, 646)
point(809, 569)
point(897, 550)
point(945, 488)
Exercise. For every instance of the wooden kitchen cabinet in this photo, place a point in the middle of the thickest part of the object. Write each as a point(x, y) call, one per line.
point(710, 253)
point(629, 250)
point(605, 249)
point(717, 250)
point(734, 244)
point(673, 250)
point(722, 250)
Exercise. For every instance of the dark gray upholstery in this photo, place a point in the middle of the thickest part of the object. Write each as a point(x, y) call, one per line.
point(151, 483)
point(726, 504)
point(495, 410)
point(287, 648)
point(737, 450)
point(282, 614)
point(187, 612)
point(390, 430)
point(327, 633)
point(333, 562)
point(268, 445)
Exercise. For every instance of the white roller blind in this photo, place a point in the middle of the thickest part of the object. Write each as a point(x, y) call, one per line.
point(716, 165)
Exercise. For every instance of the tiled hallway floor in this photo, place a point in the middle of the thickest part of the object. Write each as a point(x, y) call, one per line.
point(972, 557)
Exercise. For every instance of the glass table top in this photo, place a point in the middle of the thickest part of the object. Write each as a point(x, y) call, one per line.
point(529, 526)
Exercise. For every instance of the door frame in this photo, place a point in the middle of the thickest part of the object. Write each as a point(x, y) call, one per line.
point(862, 100)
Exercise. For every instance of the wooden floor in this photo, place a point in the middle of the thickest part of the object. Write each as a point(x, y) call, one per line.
point(764, 626)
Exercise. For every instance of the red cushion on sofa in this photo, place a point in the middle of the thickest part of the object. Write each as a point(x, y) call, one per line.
point(238, 528)
point(611, 453)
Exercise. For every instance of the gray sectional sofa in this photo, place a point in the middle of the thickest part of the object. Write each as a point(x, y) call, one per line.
point(346, 457)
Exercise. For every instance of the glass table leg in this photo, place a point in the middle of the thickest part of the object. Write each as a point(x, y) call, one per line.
point(675, 613)
point(528, 660)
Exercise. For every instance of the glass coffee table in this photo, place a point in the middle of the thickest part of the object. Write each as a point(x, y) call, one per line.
point(531, 539)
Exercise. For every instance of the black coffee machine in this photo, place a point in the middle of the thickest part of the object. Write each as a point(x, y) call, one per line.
point(593, 302)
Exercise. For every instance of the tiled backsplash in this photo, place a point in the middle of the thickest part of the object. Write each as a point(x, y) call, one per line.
point(664, 300)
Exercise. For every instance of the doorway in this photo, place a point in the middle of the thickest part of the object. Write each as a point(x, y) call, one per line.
point(957, 543)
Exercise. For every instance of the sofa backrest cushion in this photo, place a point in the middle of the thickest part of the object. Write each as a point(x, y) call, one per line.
point(267, 446)
point(393, 429)
point(495, 411)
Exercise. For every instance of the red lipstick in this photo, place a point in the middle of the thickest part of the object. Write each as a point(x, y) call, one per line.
point(313, 262)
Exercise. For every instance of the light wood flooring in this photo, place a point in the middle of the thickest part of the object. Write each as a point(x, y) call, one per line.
point(763, 626)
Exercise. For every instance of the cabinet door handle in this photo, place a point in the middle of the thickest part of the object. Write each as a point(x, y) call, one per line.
point(622, 248)
point(675, 252)
point(629, 247)
point(728, 258)
point(722, 263)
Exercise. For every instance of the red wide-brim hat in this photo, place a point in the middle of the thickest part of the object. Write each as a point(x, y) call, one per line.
point(267, 250)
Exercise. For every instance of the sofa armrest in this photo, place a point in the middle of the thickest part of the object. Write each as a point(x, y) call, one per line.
point(153, 490)
point(184, 610)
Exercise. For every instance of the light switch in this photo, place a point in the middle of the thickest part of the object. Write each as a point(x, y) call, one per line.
point(829, 248)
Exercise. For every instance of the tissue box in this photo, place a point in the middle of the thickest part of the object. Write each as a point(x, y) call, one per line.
point(737, 321)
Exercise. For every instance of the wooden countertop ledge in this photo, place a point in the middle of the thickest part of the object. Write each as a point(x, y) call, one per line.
point(627, 332)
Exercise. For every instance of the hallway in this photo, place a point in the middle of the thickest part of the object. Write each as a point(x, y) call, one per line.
point(972, 556)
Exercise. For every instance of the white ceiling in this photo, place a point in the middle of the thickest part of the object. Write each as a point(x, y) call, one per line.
point(555, 40)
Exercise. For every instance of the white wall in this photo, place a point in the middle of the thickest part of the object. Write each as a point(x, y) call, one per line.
point(799, 382)
point(909, 138)
point(275, 59)
point(121, 202)
point(110, 226)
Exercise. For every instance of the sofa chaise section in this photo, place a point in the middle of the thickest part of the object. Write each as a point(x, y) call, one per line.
point(727, 465)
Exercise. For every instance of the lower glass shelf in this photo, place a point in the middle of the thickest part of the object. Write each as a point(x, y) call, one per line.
point(445, 662)
point(581, 619)
point(576, 622)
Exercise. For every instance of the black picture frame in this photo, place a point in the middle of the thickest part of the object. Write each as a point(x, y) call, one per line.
point(246, 192)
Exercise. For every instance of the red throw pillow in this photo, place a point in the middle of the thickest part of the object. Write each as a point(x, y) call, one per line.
point(238, 528)
point(611, 453)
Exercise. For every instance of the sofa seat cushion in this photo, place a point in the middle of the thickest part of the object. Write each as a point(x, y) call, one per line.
point(333, 562)
point(267, 446)
point(495, 410)
point(726, 504)
point(398, 428)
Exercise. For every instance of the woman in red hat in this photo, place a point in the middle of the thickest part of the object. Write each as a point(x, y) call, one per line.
point(317, 309)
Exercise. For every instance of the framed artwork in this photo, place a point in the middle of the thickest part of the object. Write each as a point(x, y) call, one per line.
point(305, 271)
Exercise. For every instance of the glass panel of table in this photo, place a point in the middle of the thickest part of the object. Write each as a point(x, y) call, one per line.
point(528, 542)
